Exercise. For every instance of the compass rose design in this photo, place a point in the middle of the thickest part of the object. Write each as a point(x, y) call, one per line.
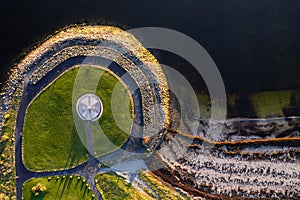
point(89, 107)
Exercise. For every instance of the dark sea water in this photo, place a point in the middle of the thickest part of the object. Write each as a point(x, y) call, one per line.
point(255, 44)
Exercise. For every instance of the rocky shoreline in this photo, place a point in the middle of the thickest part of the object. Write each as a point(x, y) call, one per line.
point(108, 42)
point(256, 158)
point(253, 158)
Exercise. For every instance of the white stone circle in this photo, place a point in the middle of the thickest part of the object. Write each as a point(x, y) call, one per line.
point(89, 107)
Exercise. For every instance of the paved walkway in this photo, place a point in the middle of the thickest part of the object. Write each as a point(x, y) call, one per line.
point(90, 168)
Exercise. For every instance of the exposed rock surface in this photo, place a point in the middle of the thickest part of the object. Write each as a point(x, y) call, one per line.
point(256, 158)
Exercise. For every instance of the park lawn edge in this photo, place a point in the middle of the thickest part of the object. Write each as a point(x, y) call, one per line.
point(105, 69)
point(144, 175)
point(74, 176)
point(136, 191)
point(23, 138)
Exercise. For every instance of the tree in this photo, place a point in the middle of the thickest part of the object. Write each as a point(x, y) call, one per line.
point(38, 189)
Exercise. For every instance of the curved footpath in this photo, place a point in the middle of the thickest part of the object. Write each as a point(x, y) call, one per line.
point(202, 171)
point(90, 168)
point(72, 46)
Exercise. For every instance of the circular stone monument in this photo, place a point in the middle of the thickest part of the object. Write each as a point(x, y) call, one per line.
point(89, 107)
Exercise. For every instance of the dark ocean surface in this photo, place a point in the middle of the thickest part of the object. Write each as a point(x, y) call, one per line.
point(255, 44)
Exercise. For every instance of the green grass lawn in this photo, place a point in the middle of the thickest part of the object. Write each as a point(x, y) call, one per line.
point(58, 188)
point(112, 186)
point(264, 104)
point(51, 140)
point(164, 191)
point(272, 103)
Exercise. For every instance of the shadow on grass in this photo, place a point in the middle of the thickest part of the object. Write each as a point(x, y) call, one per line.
point(39, 197)
point(84, 193)
point(82, 185)
point(78, 180)
point(61, 181)
point(77, 151)
point(66, 180)
point(64, 186)
point(70, 182)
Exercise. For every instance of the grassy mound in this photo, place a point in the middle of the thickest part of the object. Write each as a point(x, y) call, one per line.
point(163, 190)
point(113, 186)
point(66, 187)
point(50, 137)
